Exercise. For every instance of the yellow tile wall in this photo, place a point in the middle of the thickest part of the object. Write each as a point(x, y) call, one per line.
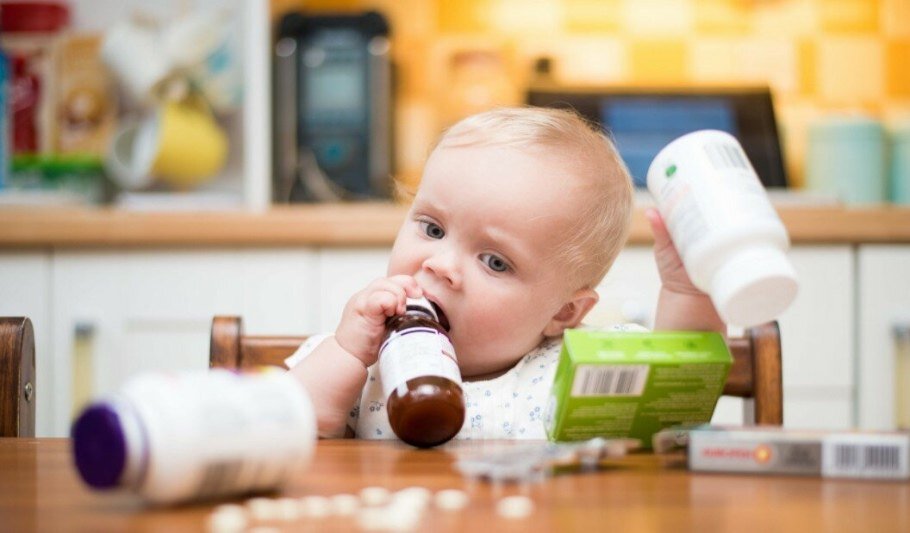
point(818, 56)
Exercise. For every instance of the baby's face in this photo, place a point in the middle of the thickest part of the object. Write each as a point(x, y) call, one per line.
point(481, 239)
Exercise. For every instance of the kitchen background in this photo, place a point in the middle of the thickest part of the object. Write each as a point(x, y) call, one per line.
point(820, 58)
point(105, 311)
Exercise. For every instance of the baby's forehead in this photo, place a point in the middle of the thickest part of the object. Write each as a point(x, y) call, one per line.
point(533, 181)
point(567, 165)
point(552, 230)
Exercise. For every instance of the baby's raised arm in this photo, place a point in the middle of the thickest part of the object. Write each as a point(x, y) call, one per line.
point(335, 371)
point(680, 305)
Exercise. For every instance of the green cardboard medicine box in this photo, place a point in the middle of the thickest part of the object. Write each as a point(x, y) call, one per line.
point(630, 384)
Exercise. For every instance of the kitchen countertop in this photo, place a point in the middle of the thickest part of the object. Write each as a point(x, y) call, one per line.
point(361, 224)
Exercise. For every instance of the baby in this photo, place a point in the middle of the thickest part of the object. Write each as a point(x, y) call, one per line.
point(519, 215)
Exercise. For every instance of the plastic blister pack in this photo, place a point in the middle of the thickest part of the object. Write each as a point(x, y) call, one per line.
point(535, 461)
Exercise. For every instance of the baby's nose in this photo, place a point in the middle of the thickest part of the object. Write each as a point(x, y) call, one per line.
point(445, 267)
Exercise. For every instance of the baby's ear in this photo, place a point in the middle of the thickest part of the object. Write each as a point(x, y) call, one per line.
point(572, 312)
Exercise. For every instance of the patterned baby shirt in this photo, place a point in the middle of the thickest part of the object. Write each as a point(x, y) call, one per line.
point(510, 406)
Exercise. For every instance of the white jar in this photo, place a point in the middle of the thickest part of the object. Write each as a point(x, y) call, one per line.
point(197, 435)
point(728, 235)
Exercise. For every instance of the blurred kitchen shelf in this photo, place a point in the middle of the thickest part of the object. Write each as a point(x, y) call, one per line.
point(175, 201)
point(39, 198)
point(358, 224)
point(789, 197)
point(779, 198)
point(247, 172)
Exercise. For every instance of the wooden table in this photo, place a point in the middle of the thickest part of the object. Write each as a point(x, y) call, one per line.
point(39, 490)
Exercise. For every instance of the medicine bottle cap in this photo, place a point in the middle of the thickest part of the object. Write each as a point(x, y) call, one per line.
point(421, 304)
point(753, 286)
point(99, 446)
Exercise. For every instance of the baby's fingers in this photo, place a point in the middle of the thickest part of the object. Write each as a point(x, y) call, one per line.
point(658, 227)
point(408, 283)
point(383, 298)
point(384, 303)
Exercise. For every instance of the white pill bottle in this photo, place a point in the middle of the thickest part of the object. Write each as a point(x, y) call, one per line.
point(728, 235)
point(177, 437)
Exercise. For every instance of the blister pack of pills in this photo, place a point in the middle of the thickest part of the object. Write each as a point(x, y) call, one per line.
point(535, 461)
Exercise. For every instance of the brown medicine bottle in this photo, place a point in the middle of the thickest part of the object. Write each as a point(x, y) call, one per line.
point(420, 377)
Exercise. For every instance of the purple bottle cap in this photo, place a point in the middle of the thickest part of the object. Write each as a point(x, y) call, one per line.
point(99, 446)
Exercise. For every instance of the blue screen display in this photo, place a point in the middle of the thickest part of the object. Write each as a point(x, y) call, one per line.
point(642, 125)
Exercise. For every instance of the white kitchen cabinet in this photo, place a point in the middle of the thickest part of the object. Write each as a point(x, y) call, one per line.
point(884, 300)
point(629, 291)
point(25, 291)
point(152, 310)
point(818, 337)
point(344, 271)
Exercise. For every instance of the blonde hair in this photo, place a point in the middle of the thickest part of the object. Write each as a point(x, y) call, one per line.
point(602, 224)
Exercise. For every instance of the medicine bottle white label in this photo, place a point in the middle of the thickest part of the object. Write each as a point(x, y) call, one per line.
point(416, 352)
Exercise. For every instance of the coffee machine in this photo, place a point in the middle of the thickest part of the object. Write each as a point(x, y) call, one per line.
point(332, 99)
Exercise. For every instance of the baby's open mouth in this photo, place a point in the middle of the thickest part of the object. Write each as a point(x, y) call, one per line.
point(443, 319)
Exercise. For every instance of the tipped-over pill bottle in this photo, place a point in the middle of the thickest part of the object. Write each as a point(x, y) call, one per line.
point(420, 377)
point(196, 435)
point(728, 235)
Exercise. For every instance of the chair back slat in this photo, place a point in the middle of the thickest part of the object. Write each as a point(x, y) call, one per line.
point(767, 374)
point(739, 379)
point(259, 351)
point(755, 373)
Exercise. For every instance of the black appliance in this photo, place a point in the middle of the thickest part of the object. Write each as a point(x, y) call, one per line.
point(332, 95)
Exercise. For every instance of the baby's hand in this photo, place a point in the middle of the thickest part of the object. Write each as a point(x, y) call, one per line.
point(363, 320)
point(673, 275)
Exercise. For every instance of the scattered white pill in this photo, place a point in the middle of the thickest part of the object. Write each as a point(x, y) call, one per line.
point(287, 509)
point(373, 519)
point(451, 499)
point(227, 519)
point(514, 507)
point(374, 495)
point(388, 518)
point(420, 496)
point(403, 520)
point(263, 509)
point(315, 506)
point(345, 504)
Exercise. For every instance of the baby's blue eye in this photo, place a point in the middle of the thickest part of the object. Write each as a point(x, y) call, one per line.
point(496, 263)
point(433, 230)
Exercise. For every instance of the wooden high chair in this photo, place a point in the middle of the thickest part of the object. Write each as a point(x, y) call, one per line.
point(17, 377)
point(755, 374)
